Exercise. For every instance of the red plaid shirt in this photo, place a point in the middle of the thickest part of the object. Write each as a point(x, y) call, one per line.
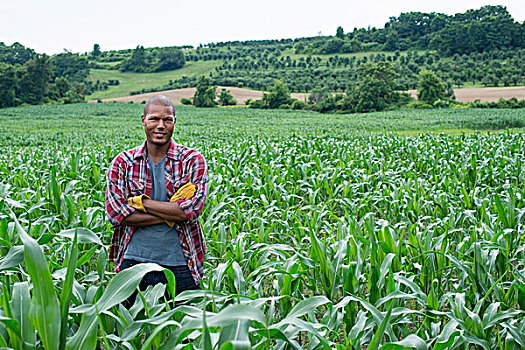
point(129, 175)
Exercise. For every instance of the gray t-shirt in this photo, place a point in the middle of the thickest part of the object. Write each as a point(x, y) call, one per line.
point(157, 243)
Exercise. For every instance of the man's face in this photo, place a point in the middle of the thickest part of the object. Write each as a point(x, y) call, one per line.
point(158, 124)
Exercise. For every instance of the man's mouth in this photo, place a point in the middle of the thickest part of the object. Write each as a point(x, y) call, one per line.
point(159, 134)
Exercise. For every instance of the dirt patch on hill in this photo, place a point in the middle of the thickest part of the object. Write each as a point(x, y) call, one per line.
point(241, 95)
point(489, 94)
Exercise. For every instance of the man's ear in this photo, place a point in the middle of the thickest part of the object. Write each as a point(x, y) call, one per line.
point(143, 119)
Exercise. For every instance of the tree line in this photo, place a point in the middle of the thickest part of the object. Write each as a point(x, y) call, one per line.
point(336, 73)
point(480, 47)
point(373, 92)
point(157, 60)
point(30, 78)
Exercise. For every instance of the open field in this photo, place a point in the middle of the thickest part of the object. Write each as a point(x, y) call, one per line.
point(323, 231)
point(486, 94)
point(241, 95)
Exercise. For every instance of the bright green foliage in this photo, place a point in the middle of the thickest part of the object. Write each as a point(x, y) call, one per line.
point(71, 66)
point(138, 62)
point(35, 78)
point(15, 54)
point(162, 59)
point(430, 88)
point(205, 93)
point(96, 50)
point(278, 96)
point(62, 86)
point(376, 88)
point(169, 58)
point(226, 98)
point(8, 85)
point(340, 33)
point(320, 234)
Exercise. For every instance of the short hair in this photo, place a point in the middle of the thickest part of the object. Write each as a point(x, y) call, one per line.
point(159, 100)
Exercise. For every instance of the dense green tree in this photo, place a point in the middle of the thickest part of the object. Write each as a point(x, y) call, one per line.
point(278, 95)
point(138, 62)
point(61, 86)
point(8, 85)
point(96, 50)
point(205, 93)
point(333, 46)
point(391, 41)
point(35, 80)
point(430, 88)
point(169, 58)
point(15, 54)
point(75, 95)
point(71, 66)
point(484, 29)
point(226, 98)
point(490, 79)
point(376, 87)
point(411, 27)
point(515, 78)
point(340, 33)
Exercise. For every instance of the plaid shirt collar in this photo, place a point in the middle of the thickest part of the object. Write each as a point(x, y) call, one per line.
point(174, 151)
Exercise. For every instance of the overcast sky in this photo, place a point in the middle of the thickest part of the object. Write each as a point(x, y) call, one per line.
point(54, 25)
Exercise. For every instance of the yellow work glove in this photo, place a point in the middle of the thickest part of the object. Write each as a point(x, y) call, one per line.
point(136, 202)
point(185, 192)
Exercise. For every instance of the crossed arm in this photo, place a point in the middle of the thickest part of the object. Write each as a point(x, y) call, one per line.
point(157, 213)
point(121, 214)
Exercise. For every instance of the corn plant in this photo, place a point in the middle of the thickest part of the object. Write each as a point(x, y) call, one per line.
point(321, 231)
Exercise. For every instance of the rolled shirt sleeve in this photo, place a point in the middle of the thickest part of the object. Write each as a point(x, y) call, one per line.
point(197, 175)
point(116, 193)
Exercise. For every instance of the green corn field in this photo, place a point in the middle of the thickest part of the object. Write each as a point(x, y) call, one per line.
point(323, 232)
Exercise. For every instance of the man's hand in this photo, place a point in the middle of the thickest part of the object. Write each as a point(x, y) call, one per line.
point(185, 192)
point(136, 202)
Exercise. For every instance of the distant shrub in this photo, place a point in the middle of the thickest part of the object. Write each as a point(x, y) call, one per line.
point(185, 101)
point(258, 104)
point(501, 103)
point(418, 105)
point(441, 104)
point(226, 98)
point(299, 104)
point(204, 94)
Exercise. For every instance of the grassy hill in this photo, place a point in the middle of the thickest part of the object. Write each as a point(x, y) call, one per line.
point(482, 47)
point(130, 81)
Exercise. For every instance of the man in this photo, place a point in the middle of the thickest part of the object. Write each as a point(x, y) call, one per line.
point(154, 196)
